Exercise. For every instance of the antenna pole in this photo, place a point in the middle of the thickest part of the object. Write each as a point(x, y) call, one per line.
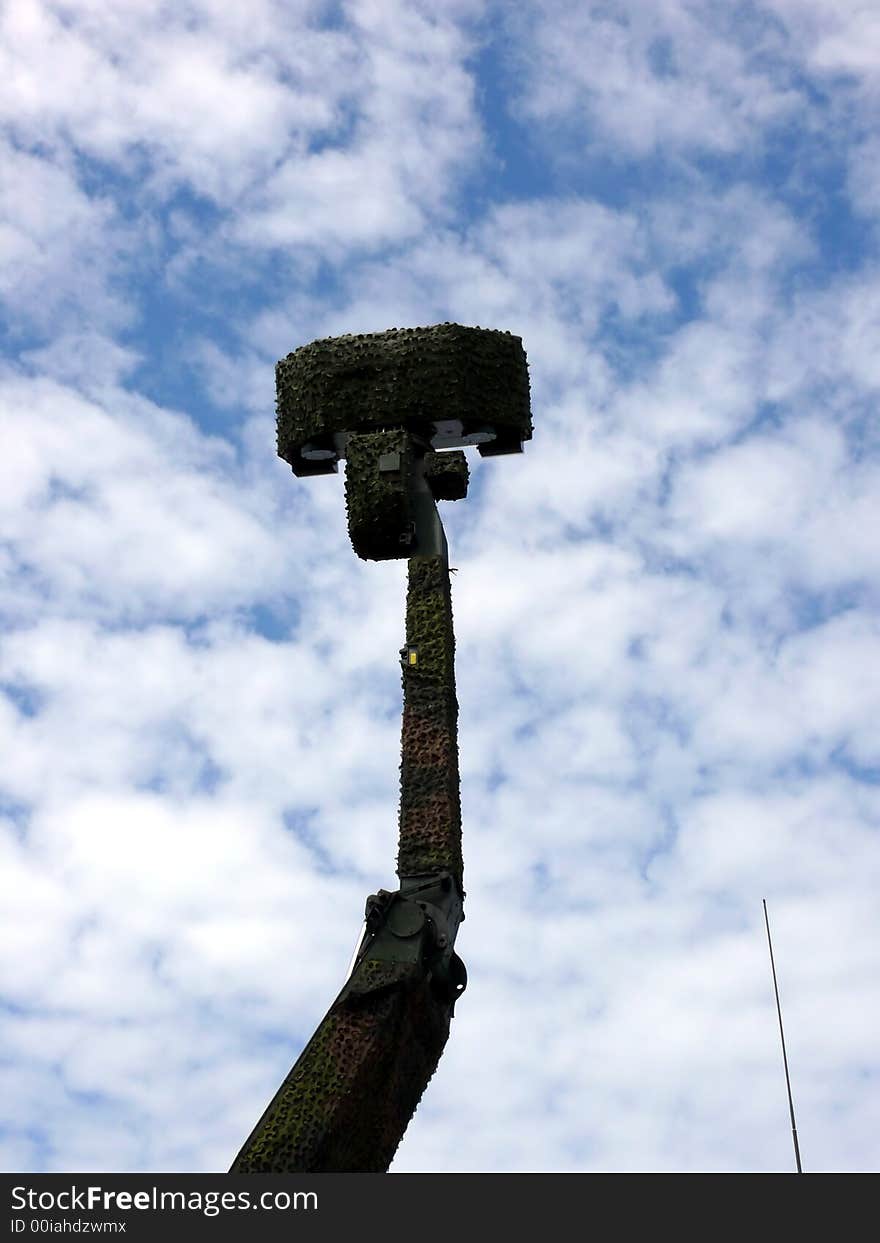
point(797, 1153)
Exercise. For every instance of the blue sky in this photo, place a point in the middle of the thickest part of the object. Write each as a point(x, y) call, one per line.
point(667, 638)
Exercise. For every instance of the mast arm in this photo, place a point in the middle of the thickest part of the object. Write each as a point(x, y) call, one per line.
point(348, 1099)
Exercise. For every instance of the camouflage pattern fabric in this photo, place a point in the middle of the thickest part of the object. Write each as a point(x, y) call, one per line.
point(351, 1094)
point(348, 1099)
point(430, 807)
point(407, 377)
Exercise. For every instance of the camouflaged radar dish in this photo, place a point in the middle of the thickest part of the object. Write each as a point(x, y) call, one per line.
point(395, 405)
point(450, 385)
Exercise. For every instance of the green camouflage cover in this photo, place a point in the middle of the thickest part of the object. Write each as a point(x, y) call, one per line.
point(351, 1094)
point(411, 377)
point(430, 808)
point(447, 475)
point(349, 1098)
point(377, 494)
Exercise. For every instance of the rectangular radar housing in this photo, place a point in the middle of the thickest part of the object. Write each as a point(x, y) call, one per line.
point(451, 385)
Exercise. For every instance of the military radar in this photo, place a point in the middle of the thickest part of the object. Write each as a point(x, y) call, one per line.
point(398, 407)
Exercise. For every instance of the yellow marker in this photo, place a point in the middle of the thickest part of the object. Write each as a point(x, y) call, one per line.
point(413, 656)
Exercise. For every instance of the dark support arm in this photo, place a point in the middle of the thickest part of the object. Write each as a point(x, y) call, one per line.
point(348, 1099)
point(430, 810)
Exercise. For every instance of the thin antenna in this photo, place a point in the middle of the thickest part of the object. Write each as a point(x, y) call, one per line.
point(797, 1153)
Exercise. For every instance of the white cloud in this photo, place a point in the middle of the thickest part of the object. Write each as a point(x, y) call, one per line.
point(122, 507)
point(57, 245)
point(211, 97)
point(645, 80)
point(839, 39)
point(414, 131)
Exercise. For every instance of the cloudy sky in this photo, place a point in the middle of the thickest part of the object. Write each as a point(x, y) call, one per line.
point(665, 608)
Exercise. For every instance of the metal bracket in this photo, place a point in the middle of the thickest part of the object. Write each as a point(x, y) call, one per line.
point(412, 932)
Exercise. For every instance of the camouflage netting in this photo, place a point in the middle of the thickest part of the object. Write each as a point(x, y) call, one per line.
point(348, 1099)
point(377, 494)
point(447, 475)
point(409, 377)
point(430, 809)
